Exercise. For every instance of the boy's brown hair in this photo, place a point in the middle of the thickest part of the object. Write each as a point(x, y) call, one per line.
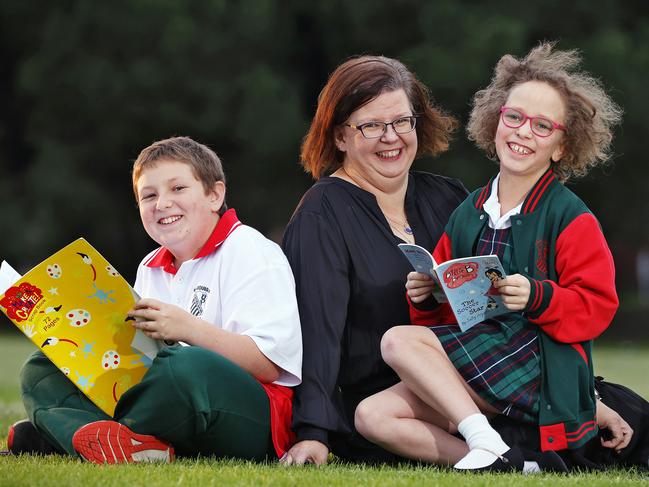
point(205, 164)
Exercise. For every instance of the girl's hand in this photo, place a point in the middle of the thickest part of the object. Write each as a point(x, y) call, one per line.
point(419, 286)
point(620, 433)
point(162, 321)
point(515, 291)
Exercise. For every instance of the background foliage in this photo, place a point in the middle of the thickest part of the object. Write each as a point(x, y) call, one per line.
point(84, 85)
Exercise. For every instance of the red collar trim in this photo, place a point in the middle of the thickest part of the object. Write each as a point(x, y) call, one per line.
point(538, 191)
point(225, 226)
point(531, 200)
point(484, 194)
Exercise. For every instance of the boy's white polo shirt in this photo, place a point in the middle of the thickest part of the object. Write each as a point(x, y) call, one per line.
point(241, 282)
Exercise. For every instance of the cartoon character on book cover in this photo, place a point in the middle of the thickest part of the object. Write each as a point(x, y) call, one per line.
point(74, 307)
point(471, 291)
point(494, 275)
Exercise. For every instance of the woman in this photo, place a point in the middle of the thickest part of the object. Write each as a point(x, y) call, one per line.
point(373, 118)
point(342, 245)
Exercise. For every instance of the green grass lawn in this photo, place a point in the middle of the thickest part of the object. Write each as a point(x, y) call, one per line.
point(626, 363)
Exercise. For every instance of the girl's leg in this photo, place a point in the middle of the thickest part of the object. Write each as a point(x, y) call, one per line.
point(54, 404)
point(201, 403)
point(417, 356)
point(419, 359)
point(397, 420)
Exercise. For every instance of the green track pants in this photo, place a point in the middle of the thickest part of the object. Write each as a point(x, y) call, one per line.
point(197, 400)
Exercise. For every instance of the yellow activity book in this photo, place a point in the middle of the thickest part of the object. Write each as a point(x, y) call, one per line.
point(74, 306)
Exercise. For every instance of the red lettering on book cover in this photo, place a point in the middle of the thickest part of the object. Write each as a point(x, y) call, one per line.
point(19, 301)
point(458, 274)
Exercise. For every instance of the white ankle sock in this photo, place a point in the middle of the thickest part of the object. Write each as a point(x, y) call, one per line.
point(531, 467)
point(484, 442)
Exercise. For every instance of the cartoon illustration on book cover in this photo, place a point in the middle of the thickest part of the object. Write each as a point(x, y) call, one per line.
point(74, 307)
point(494, 275)
point(469, 288)
point(467, 283)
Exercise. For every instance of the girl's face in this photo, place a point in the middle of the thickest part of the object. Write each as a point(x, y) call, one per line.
point(521, 152)
point(383, 159)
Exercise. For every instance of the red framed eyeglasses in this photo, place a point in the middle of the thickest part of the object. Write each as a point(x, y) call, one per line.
point(541, 126)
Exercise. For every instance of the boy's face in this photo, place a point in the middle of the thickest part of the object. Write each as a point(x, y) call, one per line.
point(175, 210)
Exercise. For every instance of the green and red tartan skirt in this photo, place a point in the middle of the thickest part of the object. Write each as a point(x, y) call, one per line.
point(499, 359)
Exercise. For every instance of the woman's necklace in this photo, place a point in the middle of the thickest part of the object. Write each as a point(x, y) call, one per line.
point(406, 228)
point(402, 229)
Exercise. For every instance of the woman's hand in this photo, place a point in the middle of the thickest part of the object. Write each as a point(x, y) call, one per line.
point(162, 321)
point(620, 431)
point(306, 451)
point(419, 286)
point(515, 291)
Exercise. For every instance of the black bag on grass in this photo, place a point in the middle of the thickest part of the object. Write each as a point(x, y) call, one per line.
point(633, 408)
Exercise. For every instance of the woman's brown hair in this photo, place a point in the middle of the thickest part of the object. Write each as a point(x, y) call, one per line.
point(355, 83)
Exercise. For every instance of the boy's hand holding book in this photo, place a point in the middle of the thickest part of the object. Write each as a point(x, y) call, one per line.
point(163, 321)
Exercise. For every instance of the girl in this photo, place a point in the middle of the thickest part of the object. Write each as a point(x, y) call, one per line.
point(545, 122)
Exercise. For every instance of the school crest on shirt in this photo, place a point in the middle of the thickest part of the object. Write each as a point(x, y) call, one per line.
point(199, 298)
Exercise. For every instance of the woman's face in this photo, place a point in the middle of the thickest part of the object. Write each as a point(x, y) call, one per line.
point(384, 160)
point(521, 152)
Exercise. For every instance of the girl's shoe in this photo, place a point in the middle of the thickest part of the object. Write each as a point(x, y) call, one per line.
point(510, 461)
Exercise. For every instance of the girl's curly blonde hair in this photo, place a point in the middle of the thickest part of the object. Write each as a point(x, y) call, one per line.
point(590, 113)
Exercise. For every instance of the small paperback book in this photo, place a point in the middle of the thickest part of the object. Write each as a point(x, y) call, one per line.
point(466, 283)
point(74, 307)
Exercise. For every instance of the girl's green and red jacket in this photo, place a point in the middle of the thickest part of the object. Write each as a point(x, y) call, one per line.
point(559, 246)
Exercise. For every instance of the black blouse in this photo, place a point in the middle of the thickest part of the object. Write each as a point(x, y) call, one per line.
point(350, 279)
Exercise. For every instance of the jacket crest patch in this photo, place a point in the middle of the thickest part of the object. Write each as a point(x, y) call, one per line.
point(542, 258)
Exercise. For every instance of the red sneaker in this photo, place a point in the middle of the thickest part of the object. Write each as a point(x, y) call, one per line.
point(111, 442)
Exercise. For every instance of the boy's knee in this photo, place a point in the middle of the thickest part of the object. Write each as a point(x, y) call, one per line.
point(35, 369)
point(189, 364)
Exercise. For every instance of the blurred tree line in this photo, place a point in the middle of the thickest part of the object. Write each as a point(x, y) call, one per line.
point(85, 85)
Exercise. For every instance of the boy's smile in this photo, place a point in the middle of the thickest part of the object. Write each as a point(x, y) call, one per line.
point(170, 220)
point(175, 209)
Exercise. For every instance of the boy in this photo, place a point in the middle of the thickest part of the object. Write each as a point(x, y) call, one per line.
point(215, 285)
